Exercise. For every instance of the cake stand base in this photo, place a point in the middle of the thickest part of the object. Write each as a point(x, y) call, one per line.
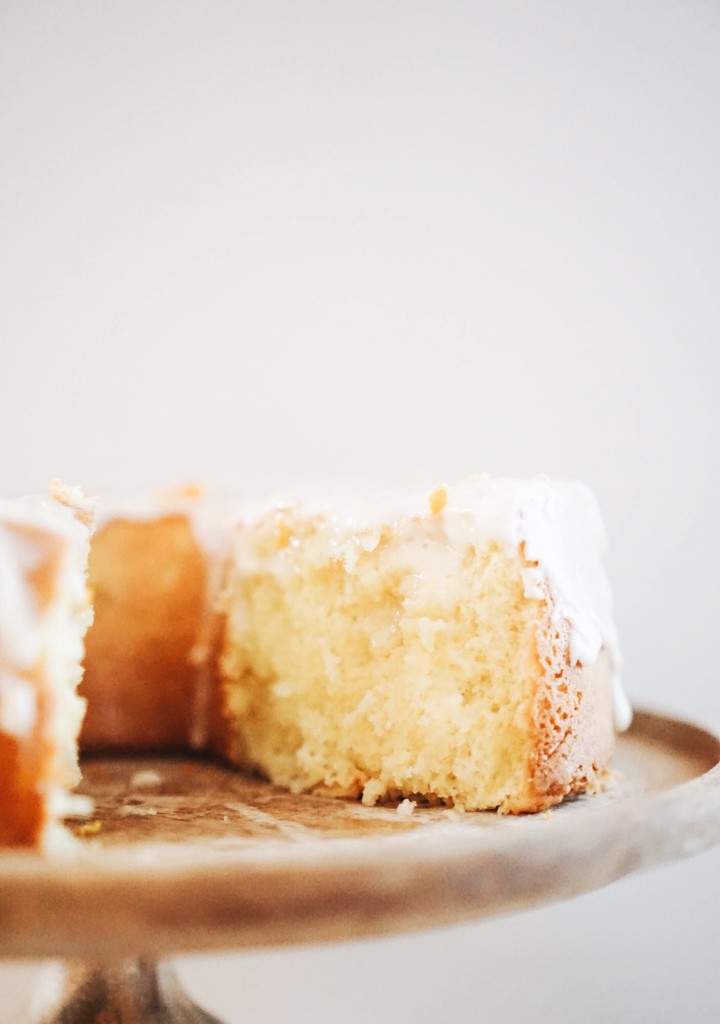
point(137, 991)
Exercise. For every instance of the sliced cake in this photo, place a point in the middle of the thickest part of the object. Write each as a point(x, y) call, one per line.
point(44, 613)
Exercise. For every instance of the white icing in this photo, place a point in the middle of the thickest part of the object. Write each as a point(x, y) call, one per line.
point(21, 555)
point(62, 804)
point(18, 705)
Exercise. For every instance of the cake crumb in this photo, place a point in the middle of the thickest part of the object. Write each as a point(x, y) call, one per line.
point(88, 828)
point(145, 780)
point(438, 500)
point(372, 792)
point(406, 807)
point(73, 497)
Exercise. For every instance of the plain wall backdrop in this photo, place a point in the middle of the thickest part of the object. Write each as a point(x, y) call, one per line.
point(393, 242)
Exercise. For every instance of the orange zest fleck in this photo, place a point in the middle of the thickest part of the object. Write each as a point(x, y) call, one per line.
point(88, 828)
point(438, 500)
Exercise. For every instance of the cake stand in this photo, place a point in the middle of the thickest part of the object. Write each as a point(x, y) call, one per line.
point(184, 855)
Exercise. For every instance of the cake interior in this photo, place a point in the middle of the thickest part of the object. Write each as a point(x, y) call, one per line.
point(392, 665)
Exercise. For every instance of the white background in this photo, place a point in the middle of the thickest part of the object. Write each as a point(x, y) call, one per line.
point(393, 241)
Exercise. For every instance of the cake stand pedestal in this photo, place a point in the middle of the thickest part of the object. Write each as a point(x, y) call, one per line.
point(184, 855)
point(138, 991)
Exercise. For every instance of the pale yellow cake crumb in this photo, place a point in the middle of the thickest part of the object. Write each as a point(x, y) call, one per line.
point(406, 807)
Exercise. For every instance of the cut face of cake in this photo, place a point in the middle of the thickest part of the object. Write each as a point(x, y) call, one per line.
point(44, 613)
point(455, 647)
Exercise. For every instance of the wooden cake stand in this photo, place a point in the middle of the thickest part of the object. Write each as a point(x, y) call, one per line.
point(185, 855)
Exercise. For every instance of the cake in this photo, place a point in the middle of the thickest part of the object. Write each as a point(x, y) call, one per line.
point(453, 647)
point(456, 646)
point(44, 613)
point(151, 665)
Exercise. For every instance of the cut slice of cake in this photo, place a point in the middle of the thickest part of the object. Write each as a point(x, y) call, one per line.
point(44, 613)
point(156, 566)
point(457, 647)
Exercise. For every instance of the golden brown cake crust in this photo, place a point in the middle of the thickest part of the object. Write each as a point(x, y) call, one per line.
point(28, 765)
point(23, 817)
point(572, 730)
point(149, 583)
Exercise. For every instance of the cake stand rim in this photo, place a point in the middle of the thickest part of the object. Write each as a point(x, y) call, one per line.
point(344, 888)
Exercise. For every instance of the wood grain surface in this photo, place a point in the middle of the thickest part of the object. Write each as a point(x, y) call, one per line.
point(185, 855)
